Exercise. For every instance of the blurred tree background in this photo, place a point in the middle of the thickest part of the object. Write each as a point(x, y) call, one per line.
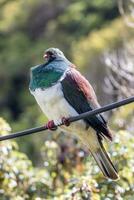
point(98, 37)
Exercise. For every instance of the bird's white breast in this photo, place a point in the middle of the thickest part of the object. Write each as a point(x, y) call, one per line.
point(53, 103)
point(55, 106)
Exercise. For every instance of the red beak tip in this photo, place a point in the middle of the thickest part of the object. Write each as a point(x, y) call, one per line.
point(45, 56)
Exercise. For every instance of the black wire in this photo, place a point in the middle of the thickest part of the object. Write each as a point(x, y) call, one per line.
point(102, 109)
point(71, 119)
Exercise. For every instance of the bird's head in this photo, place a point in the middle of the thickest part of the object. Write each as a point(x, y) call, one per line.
point(53, 53)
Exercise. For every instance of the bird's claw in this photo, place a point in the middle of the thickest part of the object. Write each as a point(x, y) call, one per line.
point(51, 125)
point(65, 121)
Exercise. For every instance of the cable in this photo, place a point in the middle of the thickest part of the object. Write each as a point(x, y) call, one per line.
point(71, 119)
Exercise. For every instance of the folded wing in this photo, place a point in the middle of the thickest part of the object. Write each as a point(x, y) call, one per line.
point(81, 96)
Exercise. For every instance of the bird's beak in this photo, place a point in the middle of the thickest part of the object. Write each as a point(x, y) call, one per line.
point(45, 56)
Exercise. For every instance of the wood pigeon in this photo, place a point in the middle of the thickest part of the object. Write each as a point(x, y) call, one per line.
point(61, 92)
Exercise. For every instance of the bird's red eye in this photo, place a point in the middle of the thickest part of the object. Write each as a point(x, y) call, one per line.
point(49, 53)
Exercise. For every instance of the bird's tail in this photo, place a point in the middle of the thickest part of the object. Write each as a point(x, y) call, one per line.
point(105, 164)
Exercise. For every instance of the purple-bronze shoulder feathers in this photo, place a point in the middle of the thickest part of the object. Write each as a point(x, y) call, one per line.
point(85, 87)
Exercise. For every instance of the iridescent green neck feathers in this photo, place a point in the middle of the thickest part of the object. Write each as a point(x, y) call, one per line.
point(46, 75)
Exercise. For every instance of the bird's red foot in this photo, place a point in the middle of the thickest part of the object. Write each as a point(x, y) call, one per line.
point(65, 121)
point(51, 125)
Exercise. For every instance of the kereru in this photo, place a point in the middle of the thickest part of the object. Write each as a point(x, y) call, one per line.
point(61, 92)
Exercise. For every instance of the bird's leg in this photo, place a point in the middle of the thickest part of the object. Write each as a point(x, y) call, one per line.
point(65, 121)
point(51, 125)
point(62, 121)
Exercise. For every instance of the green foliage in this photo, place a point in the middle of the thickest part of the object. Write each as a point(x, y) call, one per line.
point(18, 178)
point(82, 17)
point(100, 41)
point(68, 172)
point(52, 165)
